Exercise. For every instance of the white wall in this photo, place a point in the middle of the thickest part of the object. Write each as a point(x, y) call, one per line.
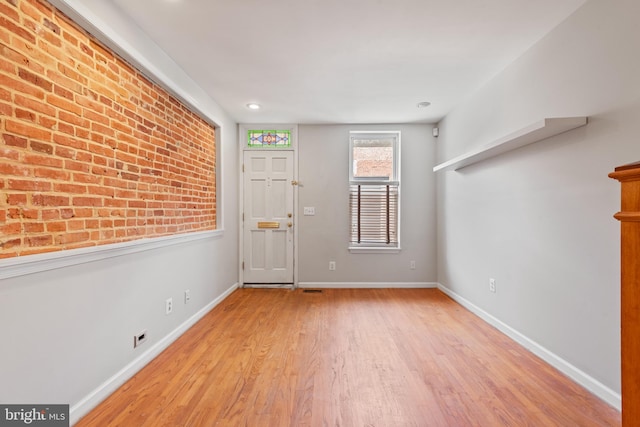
point(539, 219)
point(324, 184)
point(68, 332)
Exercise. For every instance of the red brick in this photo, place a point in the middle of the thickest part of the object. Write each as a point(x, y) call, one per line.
point(69, 188)
point(28, 130)
point(11, 228)
point(62, 92)
point(54, 174)
point(118, 183)
point(73, 237)
point(50, 25)
point(24, 115)
point(56, 227)
point(66, 128)
point(6, 109)
point(137, 204)
point(65, 152)
point(86, 178)
point(14, 169)
point(65, 104)
point(69, 142)
point(87, 201)
point(29, 185)
point(50, 214)
point(103, 171)
point(100, 149)
point(66, 78)
point(46, 122)
point(34, 105)
point(82, 133)
point(17, 30)
point(101, 191)
point(34, 241)
point(92, 224)
point(102, 129)
point(83, 212)
point(35, 79)
point(48, 39)
point(30, 11)
point(77, 166)
point(41, 160)
point(33, 227)
point(76, 225)
point(9, 153)
point(9, 244)
point(41, 147)
point(14, 213)
point(17, 199)
point(9, 12)
point(116, 203)
point(49, 200)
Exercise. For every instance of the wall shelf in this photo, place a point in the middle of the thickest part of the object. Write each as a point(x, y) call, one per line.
point(535, 132)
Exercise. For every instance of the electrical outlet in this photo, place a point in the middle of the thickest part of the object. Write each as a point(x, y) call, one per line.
point(412, 265)
point(492, 285)
point(187, 296)
point(309, 210)
point(332, 265)
point(168, 308)
point(139, 339)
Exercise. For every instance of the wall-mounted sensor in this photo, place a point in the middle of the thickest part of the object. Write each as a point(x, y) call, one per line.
point(435, 132)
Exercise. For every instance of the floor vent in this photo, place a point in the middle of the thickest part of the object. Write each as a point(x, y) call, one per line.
point(312, 291)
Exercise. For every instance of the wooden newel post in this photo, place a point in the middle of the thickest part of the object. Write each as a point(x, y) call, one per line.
point(629, 216)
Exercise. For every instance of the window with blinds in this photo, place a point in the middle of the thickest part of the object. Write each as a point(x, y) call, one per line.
point(374, 190)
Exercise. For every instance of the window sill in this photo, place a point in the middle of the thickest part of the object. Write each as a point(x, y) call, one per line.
point(373, 250)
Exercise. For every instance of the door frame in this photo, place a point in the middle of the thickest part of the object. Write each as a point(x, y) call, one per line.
point(242, 147)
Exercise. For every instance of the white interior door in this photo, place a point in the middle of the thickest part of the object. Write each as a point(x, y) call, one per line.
point(268, 217)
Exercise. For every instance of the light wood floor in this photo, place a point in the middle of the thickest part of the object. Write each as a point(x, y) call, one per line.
point(384, 358)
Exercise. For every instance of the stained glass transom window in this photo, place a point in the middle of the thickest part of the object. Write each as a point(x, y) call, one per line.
point(269, 138)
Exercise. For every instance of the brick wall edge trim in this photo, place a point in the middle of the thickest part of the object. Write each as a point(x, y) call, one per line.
point(142, 55)
point(22, 266)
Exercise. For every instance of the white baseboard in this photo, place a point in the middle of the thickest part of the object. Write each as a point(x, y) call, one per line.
point(366, 285)
point(84, 406)
point(594, 386)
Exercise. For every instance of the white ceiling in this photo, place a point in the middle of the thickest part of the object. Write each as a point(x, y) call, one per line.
point(344, 61)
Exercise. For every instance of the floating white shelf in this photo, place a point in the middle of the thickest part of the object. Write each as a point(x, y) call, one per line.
point(535, 132)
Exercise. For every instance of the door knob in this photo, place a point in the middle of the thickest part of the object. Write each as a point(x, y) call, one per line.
point(294, 182)
point(290, 224)
point(289, 215)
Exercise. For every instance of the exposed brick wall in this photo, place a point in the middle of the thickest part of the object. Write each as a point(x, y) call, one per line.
point(91, 152)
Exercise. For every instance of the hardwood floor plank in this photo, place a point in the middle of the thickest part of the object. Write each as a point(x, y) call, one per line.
point(349, 357)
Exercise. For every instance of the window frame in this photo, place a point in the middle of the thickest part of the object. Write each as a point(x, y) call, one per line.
point(395, 136)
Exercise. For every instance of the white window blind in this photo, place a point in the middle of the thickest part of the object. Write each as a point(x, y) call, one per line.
point(374, 214)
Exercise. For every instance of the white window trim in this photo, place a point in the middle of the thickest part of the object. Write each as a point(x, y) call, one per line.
point(364, 249)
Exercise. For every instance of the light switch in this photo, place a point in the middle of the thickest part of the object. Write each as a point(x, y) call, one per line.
point(309, 210)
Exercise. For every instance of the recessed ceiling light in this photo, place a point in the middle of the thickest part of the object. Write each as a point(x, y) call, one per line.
point(423, 104)
point(253, 106)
